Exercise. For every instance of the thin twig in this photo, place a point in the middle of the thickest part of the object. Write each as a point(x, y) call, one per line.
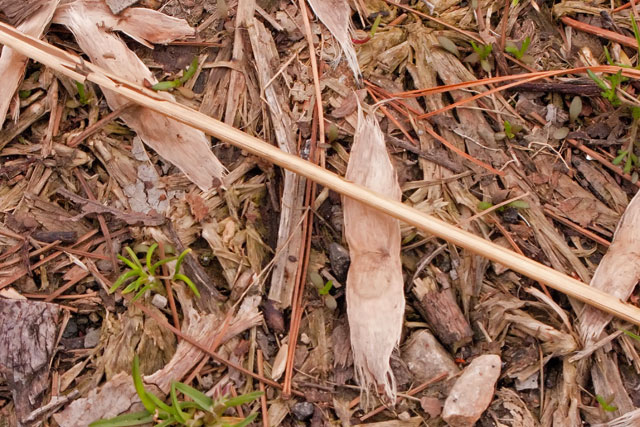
point(263, 398)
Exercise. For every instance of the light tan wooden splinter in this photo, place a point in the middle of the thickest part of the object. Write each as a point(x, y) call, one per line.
point(80, 70)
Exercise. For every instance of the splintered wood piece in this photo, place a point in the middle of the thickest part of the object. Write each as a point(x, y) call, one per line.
point(375, 294)
point(73, 66)
point(12, 63)
point(290, 236)
point(28, 333)
point(472, 393)
point(442, 312)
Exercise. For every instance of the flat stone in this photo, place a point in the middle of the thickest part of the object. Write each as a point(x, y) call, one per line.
point(302, 410)
point(472, 393)
point(426, 358)
point(92, 338)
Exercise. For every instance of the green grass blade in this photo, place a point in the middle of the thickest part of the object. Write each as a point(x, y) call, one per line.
point(181, 258)
point(133, 286)
point(242, 399)
point(245, 422)
point(188, 281)
point(191, 71)
point(150, 255)
point(202, 400)
point(139, 385)
point(134, 257)
point(153, 268)
point(123, 277)
point(160, 404)
point(134, 419)
point(177, 411)
point(142, 291)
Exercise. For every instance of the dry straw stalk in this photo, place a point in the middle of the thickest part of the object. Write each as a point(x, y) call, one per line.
point(74, 67)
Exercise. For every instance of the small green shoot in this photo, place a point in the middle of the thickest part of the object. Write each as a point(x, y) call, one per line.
point(636, 32)
point(514, 3)
point(630, 162)
point(516, 204)
point(24, 94)
point(511, 130)
point(608, 91)
point(606, 403)
point(519, 53)
point(199, 407)
point(483, 52)
point(375, 25)
point(326, 288)
point(172, 84)
point(82, 93)
point(145, 277)
point(630, 334)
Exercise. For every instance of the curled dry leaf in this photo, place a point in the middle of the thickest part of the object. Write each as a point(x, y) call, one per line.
point(375, 297)
point(92, 24)
point(618, 271)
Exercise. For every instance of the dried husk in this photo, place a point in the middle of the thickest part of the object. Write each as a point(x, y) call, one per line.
point(618, 271)
point(375, 297)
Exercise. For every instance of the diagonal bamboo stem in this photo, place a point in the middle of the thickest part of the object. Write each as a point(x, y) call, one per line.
point(76, 68)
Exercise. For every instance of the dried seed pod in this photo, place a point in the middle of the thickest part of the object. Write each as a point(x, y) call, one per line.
point(375, 297)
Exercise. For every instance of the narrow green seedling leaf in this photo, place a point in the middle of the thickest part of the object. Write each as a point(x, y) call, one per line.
point(123, 277)
point(166, 85)
point(133, 286)
point(375, 25)
point(202, 400)
point(155, 266)
point(519, 204)
point(188, 281)
point(134, 419)
point(621, 155)
point(162, 407)
point(242, 399)
point(134, 257)
point(630, 334)
point(129, 263)
point(181, 258)
point(483, 206)
point(139, 385)
point(636, 32)
point(142, 291)
point(150, 255)
point(191, 71)
point(246, 421)
point(597, 80)
point(606, 405)
point(177, 411)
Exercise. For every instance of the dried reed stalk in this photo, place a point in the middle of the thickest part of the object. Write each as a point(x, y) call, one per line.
point(74, 67)
point(375, 296)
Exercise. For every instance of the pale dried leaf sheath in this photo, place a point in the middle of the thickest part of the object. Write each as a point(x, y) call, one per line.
point(187, 148)
point(12, 64)
point(375, 297)
point(618, 271)
point(336, 16)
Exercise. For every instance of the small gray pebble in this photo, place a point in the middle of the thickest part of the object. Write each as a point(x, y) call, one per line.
point(302, 410)
point(159, 301)
point(92, 338)
point(71, 329)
